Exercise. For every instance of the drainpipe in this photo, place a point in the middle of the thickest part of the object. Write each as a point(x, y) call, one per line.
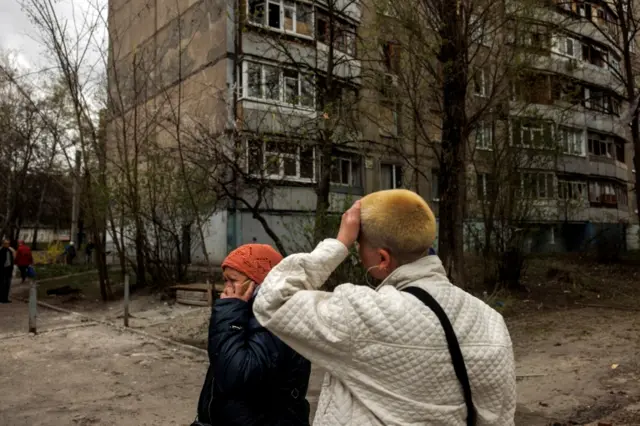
point(235, 49)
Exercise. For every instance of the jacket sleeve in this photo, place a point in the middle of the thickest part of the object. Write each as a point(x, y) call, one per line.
point(241, 358)
point(314, 323)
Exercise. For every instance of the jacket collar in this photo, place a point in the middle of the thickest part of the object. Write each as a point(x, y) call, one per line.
point(428, 268)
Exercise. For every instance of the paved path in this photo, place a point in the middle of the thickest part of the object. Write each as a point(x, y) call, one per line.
point(75, 373)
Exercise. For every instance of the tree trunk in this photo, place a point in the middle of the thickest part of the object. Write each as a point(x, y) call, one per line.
point(636, 165)
point(453, 58)
point(101, 262)
point(140, 255)
point(321, 227)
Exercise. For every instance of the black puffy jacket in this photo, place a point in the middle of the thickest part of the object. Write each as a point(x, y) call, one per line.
point(253, 377)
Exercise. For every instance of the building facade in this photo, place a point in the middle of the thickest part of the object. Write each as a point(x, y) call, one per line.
point(281, 79)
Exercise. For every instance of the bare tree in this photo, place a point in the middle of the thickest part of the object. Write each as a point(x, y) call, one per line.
point(453, 65)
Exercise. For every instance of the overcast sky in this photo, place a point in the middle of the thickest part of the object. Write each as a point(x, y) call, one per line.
point(14, 33)
point(19, 36)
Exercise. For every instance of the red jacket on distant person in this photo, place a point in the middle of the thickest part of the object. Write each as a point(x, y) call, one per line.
point(23, 255)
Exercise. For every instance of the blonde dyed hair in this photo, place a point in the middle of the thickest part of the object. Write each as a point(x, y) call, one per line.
point(400, 221)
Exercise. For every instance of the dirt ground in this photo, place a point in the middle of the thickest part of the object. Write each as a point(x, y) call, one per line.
point(577, 364)
point(82, 373)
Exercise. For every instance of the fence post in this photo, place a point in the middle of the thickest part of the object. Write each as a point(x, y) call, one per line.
point(126, 300)
point(33, 305)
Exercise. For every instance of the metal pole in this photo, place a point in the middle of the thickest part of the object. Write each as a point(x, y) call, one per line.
point(126, 300)
point(75, 198)
point(33, 306)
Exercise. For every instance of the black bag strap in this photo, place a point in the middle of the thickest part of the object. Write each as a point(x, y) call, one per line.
point(454, 348)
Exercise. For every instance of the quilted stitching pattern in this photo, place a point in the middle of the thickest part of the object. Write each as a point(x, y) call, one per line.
point(385, 351)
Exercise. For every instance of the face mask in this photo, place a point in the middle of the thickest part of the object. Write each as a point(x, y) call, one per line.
point(366, 277)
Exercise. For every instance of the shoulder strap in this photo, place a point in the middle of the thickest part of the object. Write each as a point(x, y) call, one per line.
point(454, 348)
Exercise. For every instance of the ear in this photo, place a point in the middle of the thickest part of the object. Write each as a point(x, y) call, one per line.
point(385, 260)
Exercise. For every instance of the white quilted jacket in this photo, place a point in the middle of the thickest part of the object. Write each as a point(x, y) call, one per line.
point(385, 352)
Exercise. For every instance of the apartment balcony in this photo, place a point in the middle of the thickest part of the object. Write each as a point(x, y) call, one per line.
point(276, 117)
point(574, 116)
point(351, 9)
point(578, 69)
point(593, 166)
point(580, 26)
point(305, 51)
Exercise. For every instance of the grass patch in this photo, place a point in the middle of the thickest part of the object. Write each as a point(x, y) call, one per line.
point(46, 272)
point(86, 283)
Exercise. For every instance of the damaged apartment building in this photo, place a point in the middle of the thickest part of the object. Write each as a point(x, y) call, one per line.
point(252, 68)
point(575, 82)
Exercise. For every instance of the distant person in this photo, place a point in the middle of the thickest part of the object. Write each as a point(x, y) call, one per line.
point(253, 379)
point(416, 350)
point(70, 252)
point(6, 259)
point(24, 259)
point(88, 253)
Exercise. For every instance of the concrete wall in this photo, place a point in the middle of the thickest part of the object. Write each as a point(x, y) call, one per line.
point(215, 240)
point(45, 235)
point(633, 237)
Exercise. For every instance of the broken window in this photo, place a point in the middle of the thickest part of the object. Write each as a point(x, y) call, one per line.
point(273, 19)
point(304, 19)
point(256, 11)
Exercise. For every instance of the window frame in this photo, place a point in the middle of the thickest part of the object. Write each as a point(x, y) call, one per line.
point(547, 185)
point(601, 140)
point(572, 187)
point(480, 71)
point(560, 44)
point(394, 175)
point(531, 128)
point(283, 5)
point(302, 82)
point(297, 156)
point(568, 138)
point(486, 179)
point(435, 182)
point(352, 170)
point(483, 132)
point(347, 45)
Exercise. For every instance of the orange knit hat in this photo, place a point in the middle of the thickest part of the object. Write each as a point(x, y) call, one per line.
point(253, 260)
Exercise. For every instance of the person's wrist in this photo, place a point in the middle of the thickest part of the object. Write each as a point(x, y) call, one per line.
point(344, 240)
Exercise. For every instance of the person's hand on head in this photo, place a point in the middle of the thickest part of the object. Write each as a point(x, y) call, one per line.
point(243, 291)
point(350, 225)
